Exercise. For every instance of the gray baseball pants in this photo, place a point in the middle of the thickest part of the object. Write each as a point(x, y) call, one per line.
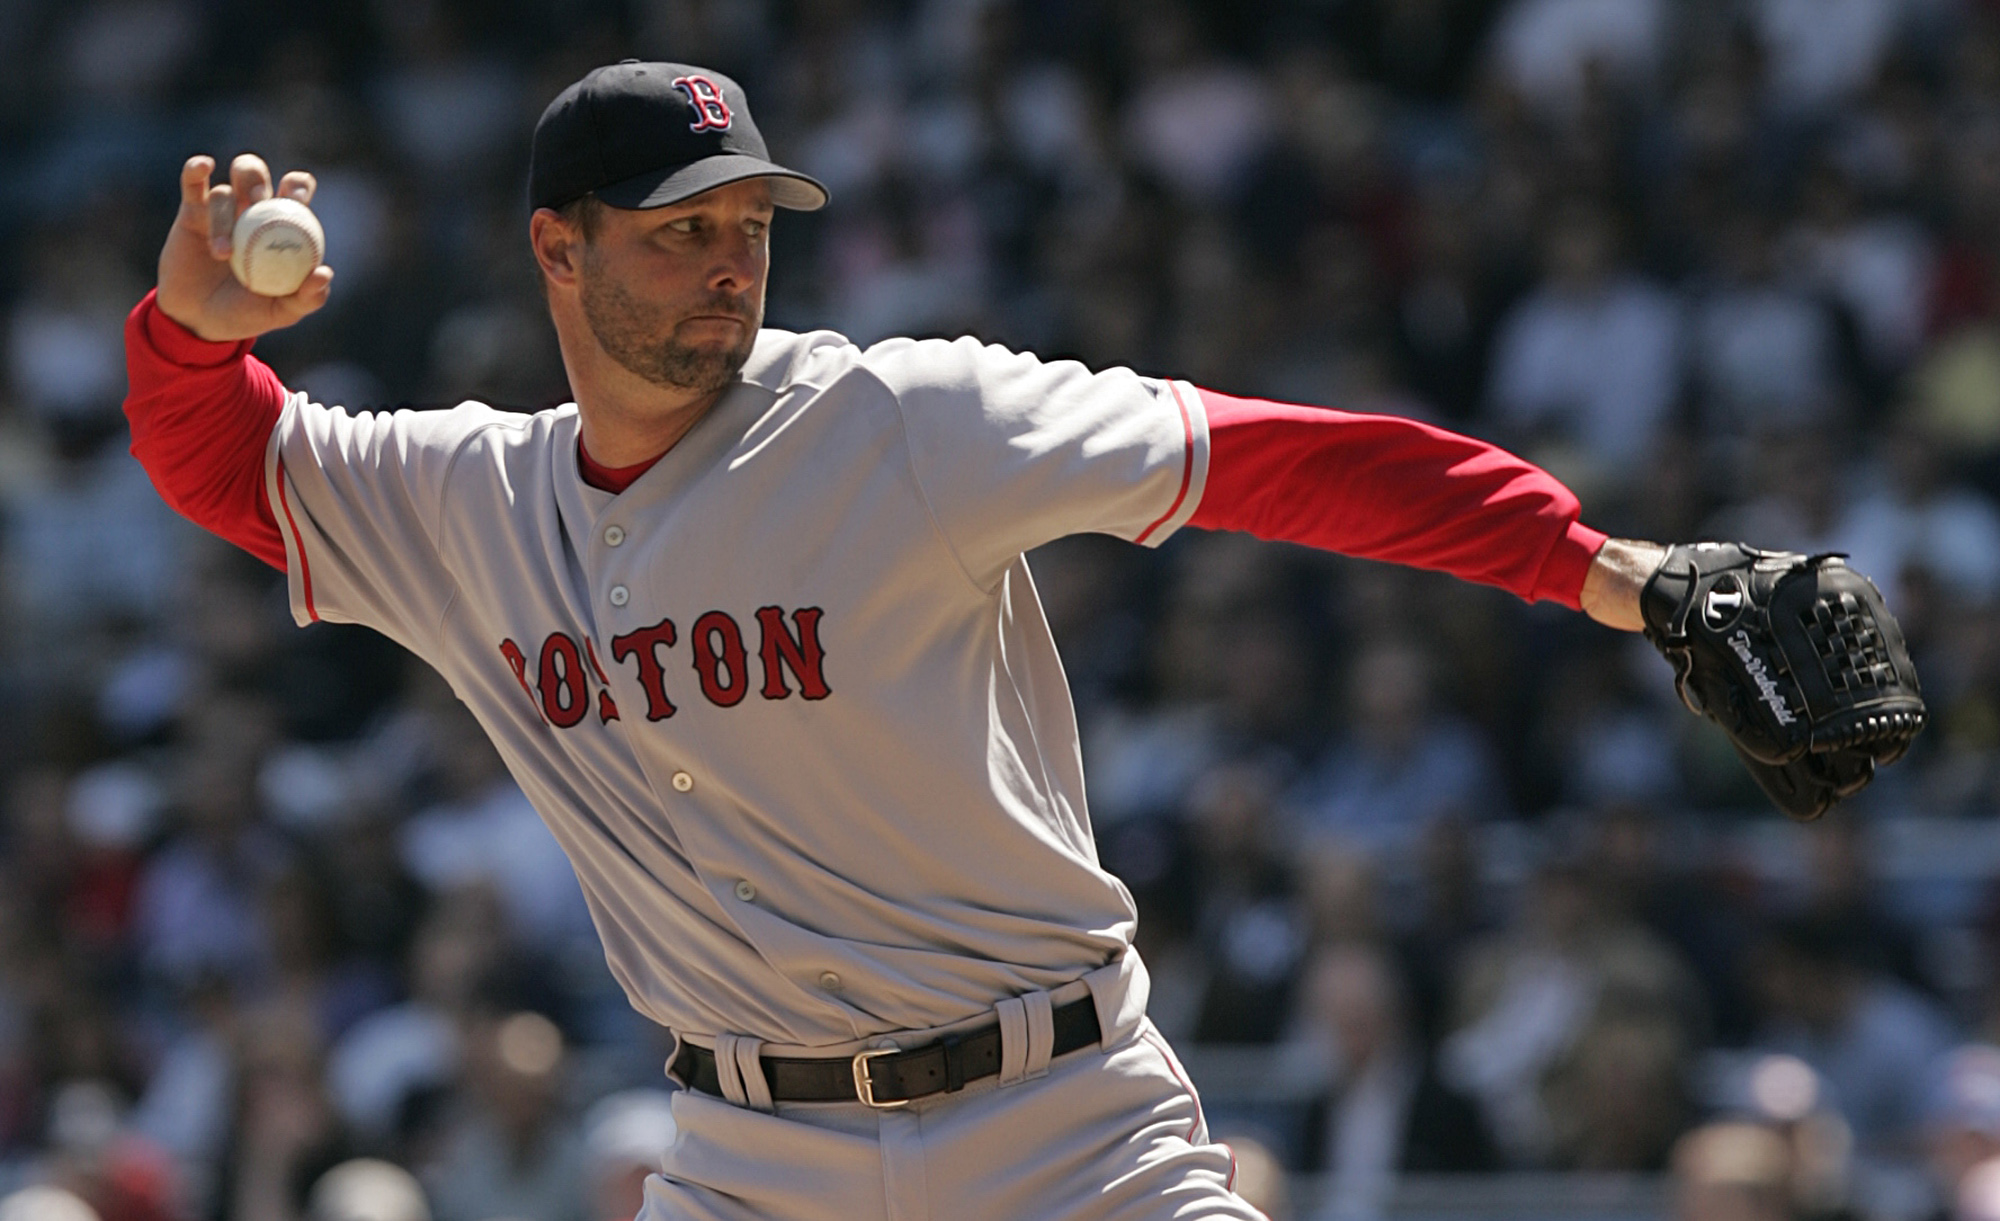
point(1108, 1132)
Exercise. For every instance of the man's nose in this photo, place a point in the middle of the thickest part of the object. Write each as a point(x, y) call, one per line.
point(735, 267)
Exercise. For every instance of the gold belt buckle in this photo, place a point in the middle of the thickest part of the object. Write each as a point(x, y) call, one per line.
point(864, 1085)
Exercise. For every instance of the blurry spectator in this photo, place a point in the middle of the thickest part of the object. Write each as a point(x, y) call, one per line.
point(1684, 903)
point(511, 1152)
point(1146, 754)
point(1870, 1038)
point(1450, 917)
point(1422, 50)
point(1387, 1112)
point(286, 1132)
point(1445, 313)
point(625, 1136)
point(1732, 1172)
point(1792, 494)
point(484, 831)
point(1978, 1197)
point(1571, 1031)
point(395, 1054)
point(1823, 52)
point(87, 540)
point(1400, 765)
point(122, 1175)
point(45, 1204)
point(1786, 1095)
point(906, 265)
point(1878, 267)
point(187, 1108)
point(1195, 121)
point(377, 904)
point(1962, 1116)
point(1842, 890)
point(152, 41)
point(1549, 51)
point(450, 106)
point(1249, 922)
point(368, 1189)
point(1762, 352)
point(197, 901)
point(1916, 517)
point(1592, 357)
point(1606, 726)
point(311, 967)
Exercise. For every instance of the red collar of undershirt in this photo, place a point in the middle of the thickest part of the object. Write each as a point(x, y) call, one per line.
point(612, 479)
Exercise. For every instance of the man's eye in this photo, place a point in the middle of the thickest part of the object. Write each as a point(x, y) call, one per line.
point(755, 228)
point(686, 224)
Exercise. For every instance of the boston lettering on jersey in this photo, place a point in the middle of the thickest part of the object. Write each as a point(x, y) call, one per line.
point(557, 681)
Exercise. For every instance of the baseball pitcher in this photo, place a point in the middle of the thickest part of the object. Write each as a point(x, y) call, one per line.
point(749, 621)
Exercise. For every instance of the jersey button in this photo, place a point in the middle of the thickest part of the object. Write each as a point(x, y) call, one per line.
point(829, 981)
point(745, 891)
point(620, 595)
point(614, 535)
point(682, 783)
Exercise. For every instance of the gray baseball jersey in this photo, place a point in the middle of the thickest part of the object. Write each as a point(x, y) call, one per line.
point(789, 701)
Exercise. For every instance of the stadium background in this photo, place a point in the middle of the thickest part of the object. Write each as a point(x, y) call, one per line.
point(1730, 267)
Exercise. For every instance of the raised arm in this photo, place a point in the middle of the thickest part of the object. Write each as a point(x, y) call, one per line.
point(201, 408)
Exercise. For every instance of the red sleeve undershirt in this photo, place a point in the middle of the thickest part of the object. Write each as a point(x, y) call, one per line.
point(1379, 487)
point(1390, 488)
point(201, 414)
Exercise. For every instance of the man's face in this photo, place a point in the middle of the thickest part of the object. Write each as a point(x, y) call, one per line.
point(676, 294)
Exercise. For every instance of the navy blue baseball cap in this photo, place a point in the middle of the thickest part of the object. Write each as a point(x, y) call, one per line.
point(643, 135)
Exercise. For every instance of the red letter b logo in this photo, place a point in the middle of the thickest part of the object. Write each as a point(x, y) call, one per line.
point(711, 113)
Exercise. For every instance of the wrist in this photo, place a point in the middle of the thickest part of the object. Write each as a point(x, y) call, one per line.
point(174, 339)
point(1616, 577)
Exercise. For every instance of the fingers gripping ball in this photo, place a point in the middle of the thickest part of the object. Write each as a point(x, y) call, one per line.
point(1795, 657)
point(275, 246)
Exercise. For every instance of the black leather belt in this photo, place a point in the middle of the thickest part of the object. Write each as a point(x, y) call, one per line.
point(887, 1077)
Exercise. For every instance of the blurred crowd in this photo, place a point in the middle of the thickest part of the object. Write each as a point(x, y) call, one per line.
point(1485, 896)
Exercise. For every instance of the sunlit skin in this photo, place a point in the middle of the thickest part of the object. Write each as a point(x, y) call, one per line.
point(655, 311)
point(676, 295)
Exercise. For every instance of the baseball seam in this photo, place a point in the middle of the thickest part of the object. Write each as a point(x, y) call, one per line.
point(250, 247)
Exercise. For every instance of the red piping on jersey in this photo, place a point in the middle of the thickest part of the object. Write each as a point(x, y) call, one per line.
point(1180, 1075)
point(1187, 466)
point(299, 543)
point(1385, 487)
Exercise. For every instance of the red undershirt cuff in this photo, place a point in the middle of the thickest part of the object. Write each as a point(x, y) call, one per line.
point(181, 346)
point(1568, 562)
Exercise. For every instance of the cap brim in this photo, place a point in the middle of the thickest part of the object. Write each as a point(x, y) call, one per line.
point(658, 188)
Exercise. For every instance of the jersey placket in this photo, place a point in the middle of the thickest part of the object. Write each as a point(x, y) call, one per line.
point(640, 650)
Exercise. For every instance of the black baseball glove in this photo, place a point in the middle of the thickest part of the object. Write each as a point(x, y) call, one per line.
point(1795, 657)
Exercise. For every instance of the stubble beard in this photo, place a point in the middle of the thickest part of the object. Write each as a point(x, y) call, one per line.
point(640, 336)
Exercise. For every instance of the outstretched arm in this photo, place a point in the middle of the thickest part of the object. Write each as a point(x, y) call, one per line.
point(1390, 488)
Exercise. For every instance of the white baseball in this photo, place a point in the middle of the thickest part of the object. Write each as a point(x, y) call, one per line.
point(276, 244)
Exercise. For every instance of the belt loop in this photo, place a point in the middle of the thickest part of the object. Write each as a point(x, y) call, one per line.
point(1013, 1039)
point(750, 1068)
point(954, 1063)
point(1041, 1034)
point(733, 1055)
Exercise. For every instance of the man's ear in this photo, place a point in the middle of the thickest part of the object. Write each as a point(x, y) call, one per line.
point(557, 245)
